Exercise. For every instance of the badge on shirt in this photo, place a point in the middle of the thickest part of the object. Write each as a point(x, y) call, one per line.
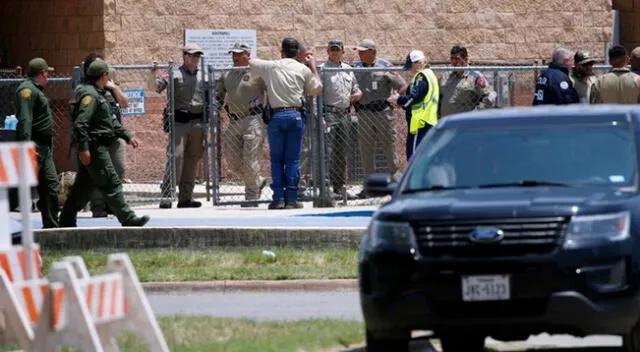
point(564, 85)
point(25, 93)
point(86, 100)
point(374, 85)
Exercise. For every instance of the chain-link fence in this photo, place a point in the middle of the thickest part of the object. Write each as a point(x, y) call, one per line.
point(57, 91)
point(371, 137)
point(153, 161)
point(342, 144)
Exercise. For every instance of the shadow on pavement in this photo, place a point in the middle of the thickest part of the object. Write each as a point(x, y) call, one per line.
point(424, 346)
point(565, 349)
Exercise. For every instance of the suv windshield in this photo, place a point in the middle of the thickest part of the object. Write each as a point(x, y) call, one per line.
point(571, 154)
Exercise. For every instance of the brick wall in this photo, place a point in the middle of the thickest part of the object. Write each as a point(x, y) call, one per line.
point(61, 31)
point(629, 25)
point(137, 31)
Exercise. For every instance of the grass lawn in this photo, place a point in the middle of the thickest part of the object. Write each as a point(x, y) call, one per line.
point(207, 334)
point(250, 264)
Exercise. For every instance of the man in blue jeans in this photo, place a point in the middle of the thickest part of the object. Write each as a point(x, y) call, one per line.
point(287, 82)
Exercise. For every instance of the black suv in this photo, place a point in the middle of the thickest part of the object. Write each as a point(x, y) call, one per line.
point(509, 223)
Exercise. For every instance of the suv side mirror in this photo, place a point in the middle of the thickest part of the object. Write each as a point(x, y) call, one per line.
point(379, 185)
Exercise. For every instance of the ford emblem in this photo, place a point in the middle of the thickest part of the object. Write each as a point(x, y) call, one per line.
point(486, 235)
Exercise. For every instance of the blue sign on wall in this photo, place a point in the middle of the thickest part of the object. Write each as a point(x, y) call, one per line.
point(136, 102)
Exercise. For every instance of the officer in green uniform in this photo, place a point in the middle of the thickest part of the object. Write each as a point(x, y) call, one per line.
point(35, 122)
point(94, 130)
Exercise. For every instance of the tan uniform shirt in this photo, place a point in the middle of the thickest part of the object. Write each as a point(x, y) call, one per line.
point(286, 80)
point(189, 91)
point(582, 86)
point(377, 86)
point(242, 89)
point(466, 92)
point(620, 86)
point(339, 86)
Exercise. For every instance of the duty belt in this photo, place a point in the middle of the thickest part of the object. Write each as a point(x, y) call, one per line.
point(185, 116)
point(373, 106)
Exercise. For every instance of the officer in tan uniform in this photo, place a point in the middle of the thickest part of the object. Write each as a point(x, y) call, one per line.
point(582, 75)
point(340, 91)
point(376, 117)
point(620, 85)
point(188, 137)
point(287, 82)
point(464, 90)
point(243, 139)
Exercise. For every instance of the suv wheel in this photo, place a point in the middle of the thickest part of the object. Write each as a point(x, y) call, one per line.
point(462, 342)
point(395, 344)
point(631, 340)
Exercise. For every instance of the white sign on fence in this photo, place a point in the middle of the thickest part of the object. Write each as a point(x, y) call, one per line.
point(216, 43)
point(136, 102)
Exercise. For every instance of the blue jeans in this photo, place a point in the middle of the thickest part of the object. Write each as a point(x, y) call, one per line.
point(285, 131)
point(413, 140)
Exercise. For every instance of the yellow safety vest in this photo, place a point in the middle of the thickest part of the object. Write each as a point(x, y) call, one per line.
point(426, 111)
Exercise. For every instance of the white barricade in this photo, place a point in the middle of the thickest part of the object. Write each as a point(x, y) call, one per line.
point(69, 308)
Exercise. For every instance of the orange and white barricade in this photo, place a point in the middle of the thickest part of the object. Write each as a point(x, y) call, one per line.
point(69, 308)
point(21, 285)
point(97, 308)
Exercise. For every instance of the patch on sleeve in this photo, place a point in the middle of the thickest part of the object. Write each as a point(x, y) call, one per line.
point(481, 82)
point(564, 85)
point(86, 100)
point(25, 93)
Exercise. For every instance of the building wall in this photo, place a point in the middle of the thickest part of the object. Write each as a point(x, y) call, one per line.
point(61, 31)
point(629, 22)
point(138, 31)
point(141, 31)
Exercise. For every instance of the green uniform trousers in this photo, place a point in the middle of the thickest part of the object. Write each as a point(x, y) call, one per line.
point(48, 186)
point(99, 174)
point(117, 153)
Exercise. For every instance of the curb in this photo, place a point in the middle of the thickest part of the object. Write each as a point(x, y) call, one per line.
point(249, 286)
point(196, 238)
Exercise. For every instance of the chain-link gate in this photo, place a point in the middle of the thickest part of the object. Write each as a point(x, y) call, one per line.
point(146, 166)
point(342, 146)
point(239, 148)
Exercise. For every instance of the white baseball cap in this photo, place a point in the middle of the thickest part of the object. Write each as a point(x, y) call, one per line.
point(413, 56)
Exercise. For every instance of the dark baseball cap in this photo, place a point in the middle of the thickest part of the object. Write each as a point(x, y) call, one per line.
point(335, 44)
point(97, 68)
point(38, 65)
point(583, 57)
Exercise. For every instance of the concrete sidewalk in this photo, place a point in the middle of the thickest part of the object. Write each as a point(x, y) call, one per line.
point(212, 227)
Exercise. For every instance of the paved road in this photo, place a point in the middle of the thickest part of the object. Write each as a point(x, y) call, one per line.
point(262, 306)
point(289, 306)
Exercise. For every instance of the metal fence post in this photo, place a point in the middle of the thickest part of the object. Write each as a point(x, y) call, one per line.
point(77, 76)
point(323, 199)
point(172, 131)
point(214, 139)
point(499, 88)
point(205, 114)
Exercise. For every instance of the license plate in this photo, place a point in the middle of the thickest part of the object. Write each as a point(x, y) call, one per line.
point(486, 288)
